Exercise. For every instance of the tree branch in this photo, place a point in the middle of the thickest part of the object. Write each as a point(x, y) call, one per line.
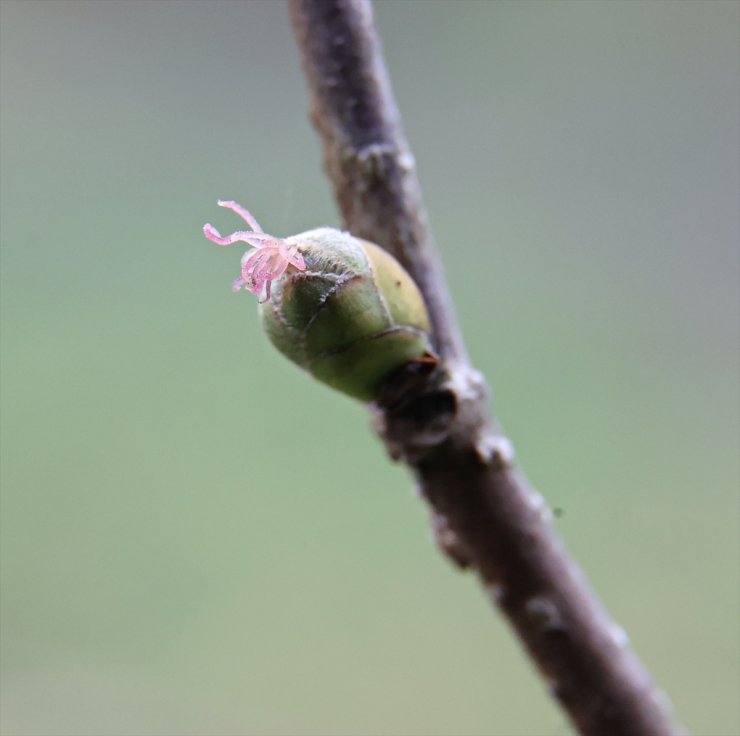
point(486, 515)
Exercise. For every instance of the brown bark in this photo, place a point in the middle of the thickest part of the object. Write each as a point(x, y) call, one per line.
point(486, 514)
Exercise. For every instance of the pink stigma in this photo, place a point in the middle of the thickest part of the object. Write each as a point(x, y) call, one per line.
point(269, 259)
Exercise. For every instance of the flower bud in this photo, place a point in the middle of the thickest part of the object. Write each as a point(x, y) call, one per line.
point(340, 307)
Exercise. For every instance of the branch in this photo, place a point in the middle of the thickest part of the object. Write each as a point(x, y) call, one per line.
point(486, 515)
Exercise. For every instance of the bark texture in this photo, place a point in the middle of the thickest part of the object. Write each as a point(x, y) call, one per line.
point(436, 418)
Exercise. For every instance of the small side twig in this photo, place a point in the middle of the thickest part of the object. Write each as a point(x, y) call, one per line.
point(486, 515)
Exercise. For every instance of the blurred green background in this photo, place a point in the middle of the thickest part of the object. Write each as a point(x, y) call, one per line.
point(196, 539)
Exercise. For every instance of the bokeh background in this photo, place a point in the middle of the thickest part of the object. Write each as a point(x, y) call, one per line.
point(196, 538)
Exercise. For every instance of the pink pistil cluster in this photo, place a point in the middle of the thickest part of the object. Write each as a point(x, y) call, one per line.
point(269, 259)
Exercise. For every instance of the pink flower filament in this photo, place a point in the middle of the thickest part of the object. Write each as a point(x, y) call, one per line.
point(269, 259)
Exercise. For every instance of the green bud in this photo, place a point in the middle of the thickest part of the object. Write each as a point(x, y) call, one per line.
point(340, 307)
point(351, 318)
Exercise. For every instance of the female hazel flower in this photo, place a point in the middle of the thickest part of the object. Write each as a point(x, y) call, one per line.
point(338, 306)
point(269, 259)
